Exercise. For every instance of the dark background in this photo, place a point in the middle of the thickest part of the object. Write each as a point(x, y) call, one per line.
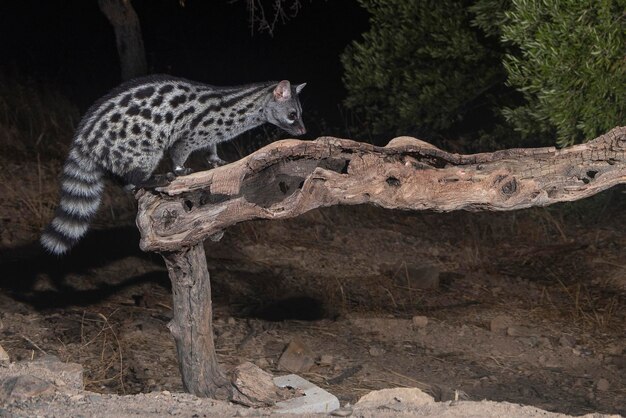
point(71, 45)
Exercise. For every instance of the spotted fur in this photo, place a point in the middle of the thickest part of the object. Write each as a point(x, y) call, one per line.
point(128, 131)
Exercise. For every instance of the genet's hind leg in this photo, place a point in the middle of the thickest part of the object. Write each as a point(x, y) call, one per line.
point(212, 158)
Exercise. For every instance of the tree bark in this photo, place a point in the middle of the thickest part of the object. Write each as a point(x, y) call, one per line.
point(129, 41)
point(288, 178)
point(192, 325)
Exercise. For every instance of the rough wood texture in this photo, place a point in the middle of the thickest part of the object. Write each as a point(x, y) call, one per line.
point(192, 325)
point(290, 177)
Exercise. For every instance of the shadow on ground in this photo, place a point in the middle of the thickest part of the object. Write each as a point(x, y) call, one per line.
point(22, 266)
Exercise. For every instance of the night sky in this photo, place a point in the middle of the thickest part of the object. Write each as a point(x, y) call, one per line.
point(71, 45)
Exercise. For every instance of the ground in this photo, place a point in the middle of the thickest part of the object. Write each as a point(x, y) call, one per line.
point(526, 307)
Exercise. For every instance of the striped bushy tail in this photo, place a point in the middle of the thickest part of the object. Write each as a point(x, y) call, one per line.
point(81, 190)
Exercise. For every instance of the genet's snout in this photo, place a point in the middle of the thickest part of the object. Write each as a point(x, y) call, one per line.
point(296, 130)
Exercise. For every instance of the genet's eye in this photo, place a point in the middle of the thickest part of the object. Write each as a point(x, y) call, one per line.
point(291, 116)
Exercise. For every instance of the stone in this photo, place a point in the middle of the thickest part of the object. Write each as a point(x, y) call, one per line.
point(603, 385)
point(262, 363)
point(4, 356)
point(326, 360)
point(70, 373)
point(342, 412)
point(315, 400)
point(520, 331)
point(567, 341)
point(19, 388)
point(50, 369)
point(397, 399)
point(255, 387)
point(420, 321)
point(376, 351)
point(500, 323)
point(297, 357)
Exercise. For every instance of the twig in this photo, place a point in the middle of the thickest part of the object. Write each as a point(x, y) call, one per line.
point(33, 344)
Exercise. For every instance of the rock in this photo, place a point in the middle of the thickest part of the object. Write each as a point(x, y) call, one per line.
point(4, 356)
point(420, 321)
point(50, 369)
point(418, 277)
point(603, 385)
point(567, 341)
point(70, 373)
point(315, 400)
point(342, 412)
point(326, 360)
point(397, 399)
point(19, 388)
point(500, 323)
point(262, 362)
point(255, 387)
point(520, 331)
point(376, 351)
point(297, 357)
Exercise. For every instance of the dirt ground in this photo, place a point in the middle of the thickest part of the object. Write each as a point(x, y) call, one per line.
point(526, 307)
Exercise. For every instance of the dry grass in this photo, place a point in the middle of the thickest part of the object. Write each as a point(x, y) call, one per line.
point(36, 124)
point(29, 193)
point(108, 368)
point(35, 119)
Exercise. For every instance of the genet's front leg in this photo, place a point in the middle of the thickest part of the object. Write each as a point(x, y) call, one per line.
point(179, 152)
point(212, 158)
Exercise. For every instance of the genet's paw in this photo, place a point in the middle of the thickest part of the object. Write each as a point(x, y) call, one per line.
point(157, 180)
point(215, 161)
point(182, 171)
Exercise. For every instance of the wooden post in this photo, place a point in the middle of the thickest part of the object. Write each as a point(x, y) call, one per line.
point(192, 325)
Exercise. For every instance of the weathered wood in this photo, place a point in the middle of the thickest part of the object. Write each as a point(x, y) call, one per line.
point(192, 325)
point(288, 178)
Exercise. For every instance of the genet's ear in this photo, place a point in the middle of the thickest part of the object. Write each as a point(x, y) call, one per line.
point(282, 92)
point(299, 88)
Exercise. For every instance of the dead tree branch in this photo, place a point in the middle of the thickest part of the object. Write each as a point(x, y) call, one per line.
point(290, 177)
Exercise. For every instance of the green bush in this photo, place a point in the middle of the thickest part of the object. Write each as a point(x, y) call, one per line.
point(421, 69)
point(499, 72)
point(571, 67)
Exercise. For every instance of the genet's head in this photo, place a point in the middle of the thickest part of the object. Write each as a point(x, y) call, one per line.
point(284, 109)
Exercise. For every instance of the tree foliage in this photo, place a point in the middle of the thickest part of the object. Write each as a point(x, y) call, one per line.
point(553, 70)
point(420, 69)
point(571, 66)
